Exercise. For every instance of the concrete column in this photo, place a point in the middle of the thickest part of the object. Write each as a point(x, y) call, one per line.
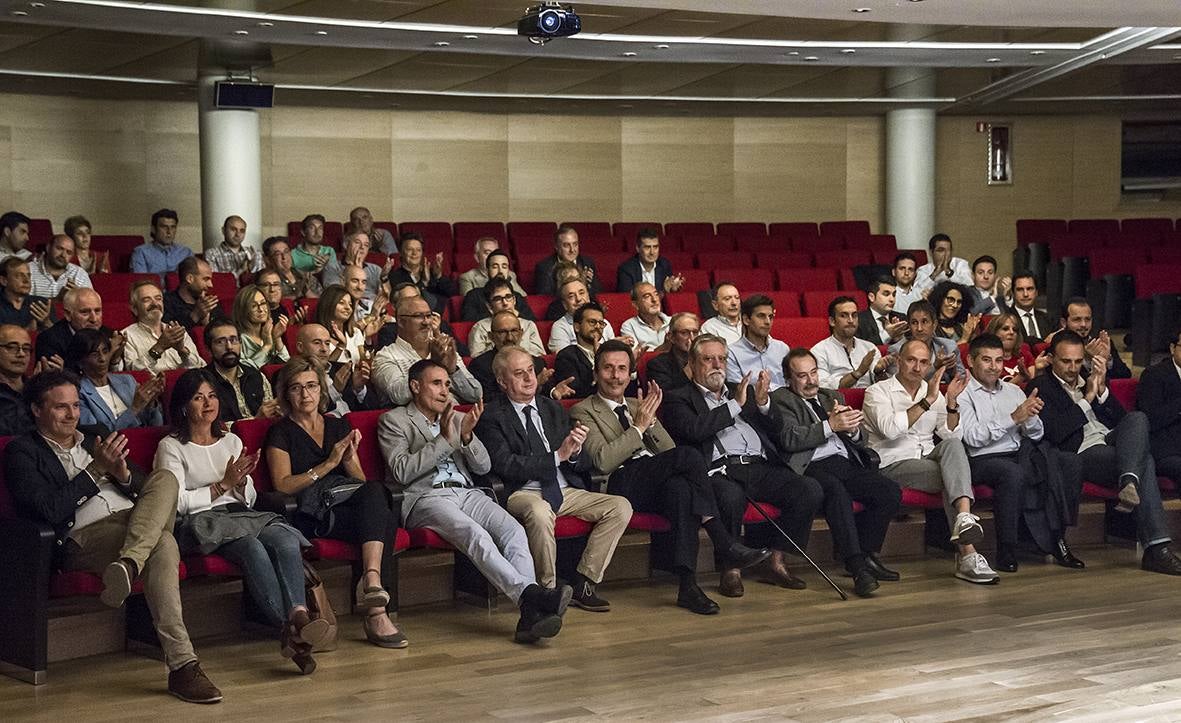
point(910, 160)
point(231, 166)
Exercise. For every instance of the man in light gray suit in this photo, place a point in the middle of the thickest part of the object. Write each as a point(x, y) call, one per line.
point(433, 455)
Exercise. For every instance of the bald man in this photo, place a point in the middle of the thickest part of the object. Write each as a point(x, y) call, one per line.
point(82, 309)
point(232, 255)
point(52, 274)
point(349, 389)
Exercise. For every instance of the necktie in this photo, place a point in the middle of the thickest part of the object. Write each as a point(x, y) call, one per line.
point(819, 410)
point(621, 412)
point(1030, 326)
point(550, 491)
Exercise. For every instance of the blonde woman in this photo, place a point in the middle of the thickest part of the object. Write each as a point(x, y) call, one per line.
point(261, 338)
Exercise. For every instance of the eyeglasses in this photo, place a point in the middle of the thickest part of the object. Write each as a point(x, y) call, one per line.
point(299, 389)
point(425, 316)
point(15, 347)
point(953, 301)
point(503, 298)
point(595, 322)
point(516, 330)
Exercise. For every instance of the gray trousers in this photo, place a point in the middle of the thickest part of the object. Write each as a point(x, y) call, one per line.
point(481, 529)
point(944, 470)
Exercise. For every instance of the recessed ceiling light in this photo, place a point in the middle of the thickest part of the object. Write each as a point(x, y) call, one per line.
point(1037, 52)
point(793, 53)
point(810, 58)
point(241, 32)
point(848, 51)
point(916, 1)
point(36, 5)
point(19, 13)
point(471, 37)
point(628, 54)
point(266, 24)
point(993, 60)
point(862, 10)
point(662, 46)
point(441, 44)
point(321, 32)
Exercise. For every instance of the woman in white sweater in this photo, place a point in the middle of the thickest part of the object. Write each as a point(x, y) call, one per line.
point(216, 501)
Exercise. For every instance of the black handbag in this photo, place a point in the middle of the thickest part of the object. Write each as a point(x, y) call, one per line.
point(326, 493)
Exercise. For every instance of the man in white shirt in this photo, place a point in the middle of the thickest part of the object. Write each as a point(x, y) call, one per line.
point(902, 416)
point(842, 359)
point(573, 295)
point(500, 297)
point(649, 326)
point(232, 255)
point(906, 292)
point(727, 302)
point(150, 343)
point(52, 274)
point(757, 351)
point(987, 293)
point(997, 419)
point(943, 265)
point(418, 340)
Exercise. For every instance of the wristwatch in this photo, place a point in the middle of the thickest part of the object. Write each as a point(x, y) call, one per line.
point(313, 475)
point(155, 354)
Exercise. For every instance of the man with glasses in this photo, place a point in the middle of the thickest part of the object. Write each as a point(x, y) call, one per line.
point(241, 390)
point(17, 305)
point(577, 361)
point(668, 369)
point(475, 302)
point(418, 339)
point(505, 331)
point(499, 296)
point(756, 351)
point(574, 294)
point(276, 253)
point(388, 333)
point(15, 351)
point(269, 283)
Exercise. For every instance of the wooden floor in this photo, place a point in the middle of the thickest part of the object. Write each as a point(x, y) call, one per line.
point(1103, 644)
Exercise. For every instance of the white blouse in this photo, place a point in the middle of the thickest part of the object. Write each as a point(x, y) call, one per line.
point(197, 467)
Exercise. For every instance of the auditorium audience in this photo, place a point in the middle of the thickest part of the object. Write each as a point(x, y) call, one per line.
point(822, 440)
point(192, 302)
point(271, 286)
point(566, 249)
point(92, 261)
point(943, 265)
point(311, 255)
point(162, 254)
point(314, 458)
point(988, 293)
point(115, 401)
point(844, 360)
point(486, 268)
point(727, 305)
point(1108, 445)
point(648, 266)
point(15, 353)
point(505, 330)
point(564, 272)
point(1076, 317)
point(150, 343)
point(668, 369)
point(906, 291)
point(574, 294)
point(260, 339)
point(434, 285)
point(17, 304)
point(577, 360)
point(349, 388)
point(1159, 397)
point(920, 320)
point(242, 389)
point(757, 351)
point(356, 251)
point(108, 518)
point(953, 320)
point(418, 339)
point(216, 514)
point(82, 308)
point(1035, 323)
point(475, 301)
point(52, 274)
point(14, 235)
point(538, 452)
point(880, 323)
point(650, 325)
point(499, 296)
point(902, 416)
point(361, 220)
point(335, 313)
point(233, 255)
point(432, 453)
point(388, 333)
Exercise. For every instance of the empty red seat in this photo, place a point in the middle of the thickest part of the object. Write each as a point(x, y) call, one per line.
point(854, 396)
point(680, 260)
point(1152, 279)
point(539, 304)
point(782, 260)
point(1073, 245)
point(816, 302)
point(437, 234)
point(787, 303)
point(468, 232)
point(738, 229)
point(1125, 391)
point(532, 229)
point(686, 230)
point(846, 259)
point(681, 301)
point(817, 244)
point(759, 244)
point(695, 279)
point(40, 231)
point(617, 308)
point(711, 260)
point(627, 230)
point(1170, 254)
point(1038, 230)
point(118, 249)
point(878, 243)
point(845, 229)
point(800, 331)
point(1094, 228)
point(368, 452)
point(1150, 228)
point(708, 243)
point(462, 329)
point(533, 245)
point(748, 280)
point(806, 279)
point(794, 230)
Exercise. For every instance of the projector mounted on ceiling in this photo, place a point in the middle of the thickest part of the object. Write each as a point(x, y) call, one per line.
point(547, 21)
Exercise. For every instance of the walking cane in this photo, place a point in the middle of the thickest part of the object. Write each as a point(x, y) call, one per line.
point(803, 554)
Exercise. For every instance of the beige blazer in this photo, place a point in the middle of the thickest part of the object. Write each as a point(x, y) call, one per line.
point(606, 442)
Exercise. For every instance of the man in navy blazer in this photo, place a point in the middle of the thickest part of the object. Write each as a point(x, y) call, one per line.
point(1159, 397)
point(647, 265)
point(1107, 445)
point(537, 452)
point(566, 248)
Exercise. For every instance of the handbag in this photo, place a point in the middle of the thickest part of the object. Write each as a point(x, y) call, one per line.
point(329, 491)
point(319, 607)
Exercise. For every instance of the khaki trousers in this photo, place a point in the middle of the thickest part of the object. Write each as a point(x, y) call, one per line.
point(143, 534)
point(609, 514)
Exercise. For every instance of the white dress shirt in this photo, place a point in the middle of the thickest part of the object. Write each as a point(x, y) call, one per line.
point(987, 422)
point(561, 334)
point(1094, 432)
point(110, 498)
point(718, 326)
point(637, 329)
point(961, 273)
point(519, 408)
point(834, 360)
point(140, 339)
point(198, 467)
point(886, 422)
point(903, 298)
point(47, 287)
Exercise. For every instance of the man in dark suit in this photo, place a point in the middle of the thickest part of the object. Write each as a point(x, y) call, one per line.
point(565, 249)
point(668, 369)
point(577, 360)
point(734, 433)
point(476, 303)
point(505, 331)
point(1076, 317)
point(1110, 446)
point(1036, 324)
point(654, 474)
point(647, 265)
point(82, 308)
point(537, 452)
point(1159, 397)
point(880, 324)
point(108, 517)
point(823, 437)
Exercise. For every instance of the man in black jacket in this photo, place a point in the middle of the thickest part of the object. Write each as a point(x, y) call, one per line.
point(880, 324)
point(565, 249)
point(734, 431)
point(648, 265)
point(82, 309)
point(241, 390)
point(192, 303)
point(668, 369)
point(107, 517)
point(1110, 446)
point(1076, 317)
point(576, 360)
point(1159, 397)
point(15, 350)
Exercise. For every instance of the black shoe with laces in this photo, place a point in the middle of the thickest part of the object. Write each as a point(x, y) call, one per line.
point(1159, 558)
point(584, 597)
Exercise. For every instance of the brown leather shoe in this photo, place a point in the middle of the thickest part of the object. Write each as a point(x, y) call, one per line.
point(190, 685)
point(776, 573)
point(731, 584)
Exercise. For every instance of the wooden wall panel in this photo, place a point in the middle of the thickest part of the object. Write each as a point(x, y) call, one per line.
point(564, 168)
point(678, 169)
point(449, 167)
point(789, 169)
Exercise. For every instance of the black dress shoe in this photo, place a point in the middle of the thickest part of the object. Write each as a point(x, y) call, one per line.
point(739, 556)
point(584, 597)
point(535, 625)
point(1159, 558)
point(695, 600)
point(1064, 557)
point(549, 600)
point(864, 583)
point(1006, 561)
point(880, 571)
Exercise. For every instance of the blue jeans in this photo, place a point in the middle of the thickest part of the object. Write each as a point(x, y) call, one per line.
point(272, 568)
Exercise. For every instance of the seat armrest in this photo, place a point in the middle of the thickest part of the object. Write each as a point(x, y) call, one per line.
point(278, 502)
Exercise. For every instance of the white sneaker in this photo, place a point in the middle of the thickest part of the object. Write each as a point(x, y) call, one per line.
point(967, 529)
point(974, 568)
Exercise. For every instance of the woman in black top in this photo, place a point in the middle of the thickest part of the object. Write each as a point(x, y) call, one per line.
point(309, 453)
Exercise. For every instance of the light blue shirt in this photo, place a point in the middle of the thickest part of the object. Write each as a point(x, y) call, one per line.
point(152, 258)
point(987, 422)
point(746, 357)
point(446, 471)
point(738, 438)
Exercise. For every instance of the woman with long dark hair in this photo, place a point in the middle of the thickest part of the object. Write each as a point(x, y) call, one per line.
point(335, 313)
point(216, 507)
point(954, 322)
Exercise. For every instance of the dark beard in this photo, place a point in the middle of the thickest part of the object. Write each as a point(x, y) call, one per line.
point(229, 360)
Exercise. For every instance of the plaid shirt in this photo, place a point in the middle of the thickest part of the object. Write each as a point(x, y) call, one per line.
point(228, 260)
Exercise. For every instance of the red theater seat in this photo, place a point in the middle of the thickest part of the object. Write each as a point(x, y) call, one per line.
point(794, 230)
point(806, 279)
point(532, 229)
point(776, 260)
point(437, 234)
point(627, 230)
point(846, 229)
point(467, 232)
point(751, 516)
point(428, 538)
point(710, 260)
point(816, 302)
point(742, 229)
point(787, 303)
point(845, 259)
point(747, 280)
point(1038, 230)
point(648, 522)
point(800, 332)
point(368, 451)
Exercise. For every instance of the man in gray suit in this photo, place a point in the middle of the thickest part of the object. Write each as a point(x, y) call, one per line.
point(433, 455)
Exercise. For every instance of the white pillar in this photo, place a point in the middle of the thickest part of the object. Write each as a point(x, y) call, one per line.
point(910, 159)
point(231, 166)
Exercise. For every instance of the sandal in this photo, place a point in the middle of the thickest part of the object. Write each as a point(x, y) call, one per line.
point(396, 640)
point(371, 597)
